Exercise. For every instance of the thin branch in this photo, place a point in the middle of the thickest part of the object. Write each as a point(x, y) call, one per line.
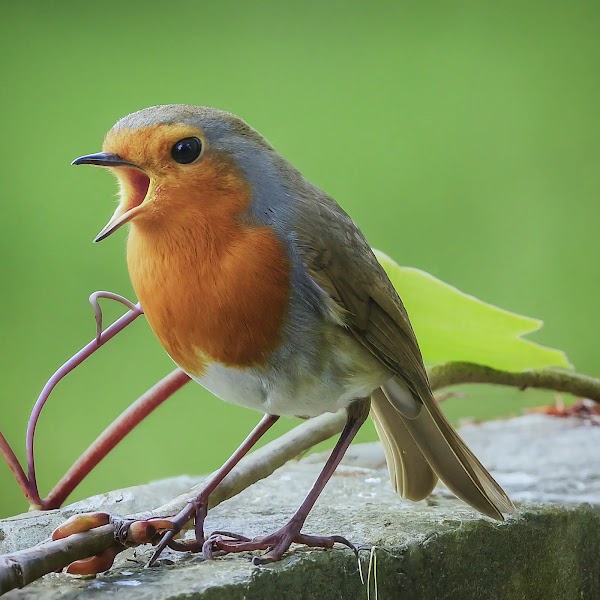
point(25, 566)
point(454, 373)
point(441, 376)
point(113, 434)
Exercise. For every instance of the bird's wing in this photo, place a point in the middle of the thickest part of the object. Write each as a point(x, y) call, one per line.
point(339, 259)
point(342, 263)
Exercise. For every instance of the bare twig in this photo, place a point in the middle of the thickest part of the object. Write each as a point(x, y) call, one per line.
point(25, 566)
point(454, 373)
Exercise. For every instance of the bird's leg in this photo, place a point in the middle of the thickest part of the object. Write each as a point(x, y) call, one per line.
point(196, 508)
point(279, 542)
point(156, 530)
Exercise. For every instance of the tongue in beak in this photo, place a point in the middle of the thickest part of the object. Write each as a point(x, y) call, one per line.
point(134, 188)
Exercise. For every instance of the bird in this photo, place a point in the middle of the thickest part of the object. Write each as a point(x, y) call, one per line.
point(264, 291)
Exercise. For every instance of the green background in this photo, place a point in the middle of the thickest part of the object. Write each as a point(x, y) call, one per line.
point(463, 137)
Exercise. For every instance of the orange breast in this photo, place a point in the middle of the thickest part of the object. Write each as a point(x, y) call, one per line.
point(213, 288)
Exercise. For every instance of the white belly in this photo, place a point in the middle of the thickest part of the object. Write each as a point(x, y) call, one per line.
point(350, 373)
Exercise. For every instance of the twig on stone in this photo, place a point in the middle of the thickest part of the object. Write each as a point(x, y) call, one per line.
point(25, 566)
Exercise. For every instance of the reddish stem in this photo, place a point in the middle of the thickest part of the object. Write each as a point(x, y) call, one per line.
point(66, 368)
point(113, 434)
point(15, 466)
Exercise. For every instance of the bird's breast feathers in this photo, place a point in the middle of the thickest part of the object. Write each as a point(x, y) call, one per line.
point(226, 302)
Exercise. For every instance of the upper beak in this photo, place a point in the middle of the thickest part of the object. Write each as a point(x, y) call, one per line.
point(124, 213)
point(103, 159)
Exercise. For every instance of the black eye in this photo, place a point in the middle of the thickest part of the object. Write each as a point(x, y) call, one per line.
point(187, 150)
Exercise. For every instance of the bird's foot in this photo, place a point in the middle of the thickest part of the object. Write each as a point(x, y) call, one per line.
point(195, 509)
point(220, 543)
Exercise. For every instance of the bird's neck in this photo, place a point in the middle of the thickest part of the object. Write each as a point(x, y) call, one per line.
point(213, 289)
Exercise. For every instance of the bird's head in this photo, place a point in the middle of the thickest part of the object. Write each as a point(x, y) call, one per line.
point(173, 161)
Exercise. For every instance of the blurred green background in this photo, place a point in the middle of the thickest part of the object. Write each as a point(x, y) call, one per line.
point(463, 137)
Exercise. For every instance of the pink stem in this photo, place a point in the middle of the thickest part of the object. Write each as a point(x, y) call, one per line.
point(15, 466)
point(73, 362)
point(98, 311)
point(113, 434)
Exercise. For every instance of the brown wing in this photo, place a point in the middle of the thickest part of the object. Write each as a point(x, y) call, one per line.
point(340, 260)
point(342, 263)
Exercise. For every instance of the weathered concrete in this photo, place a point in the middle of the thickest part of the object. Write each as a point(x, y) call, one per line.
point(439, 549)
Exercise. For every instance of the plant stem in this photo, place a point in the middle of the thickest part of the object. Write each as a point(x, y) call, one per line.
point(64, 370)
point(113, 434)
point(17, 470)
point(454, 373)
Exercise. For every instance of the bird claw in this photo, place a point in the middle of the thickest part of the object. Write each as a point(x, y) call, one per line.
point(277, 544)
point(196, 510)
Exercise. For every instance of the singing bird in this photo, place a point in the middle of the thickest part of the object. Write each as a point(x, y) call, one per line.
point(264, 291)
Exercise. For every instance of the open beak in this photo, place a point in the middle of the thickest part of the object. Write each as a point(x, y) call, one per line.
point(135, 184)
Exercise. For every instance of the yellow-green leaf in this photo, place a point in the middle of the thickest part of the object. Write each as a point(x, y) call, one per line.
point(454, 326)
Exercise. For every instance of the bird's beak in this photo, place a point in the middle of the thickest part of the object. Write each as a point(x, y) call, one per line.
point(134, 181)
point(121, 216)
point(103, 159)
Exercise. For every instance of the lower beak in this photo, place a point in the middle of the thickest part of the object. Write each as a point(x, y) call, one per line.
point(122, 215)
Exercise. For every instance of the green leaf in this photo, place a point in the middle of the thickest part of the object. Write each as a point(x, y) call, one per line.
point(454, 326)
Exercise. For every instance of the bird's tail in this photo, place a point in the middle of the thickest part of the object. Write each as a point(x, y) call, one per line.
point(421, 449)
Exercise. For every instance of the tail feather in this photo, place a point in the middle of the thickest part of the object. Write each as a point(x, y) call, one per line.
point(440, 446)
point(410, 473)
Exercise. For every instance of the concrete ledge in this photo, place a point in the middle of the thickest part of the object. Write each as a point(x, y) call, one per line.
point(438, 549)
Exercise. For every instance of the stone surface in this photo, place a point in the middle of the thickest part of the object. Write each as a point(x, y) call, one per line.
point(438, 549)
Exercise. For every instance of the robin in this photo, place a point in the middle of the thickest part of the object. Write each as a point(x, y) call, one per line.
point(264, 291)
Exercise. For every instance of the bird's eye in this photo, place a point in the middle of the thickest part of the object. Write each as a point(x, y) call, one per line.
point(187, 150)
